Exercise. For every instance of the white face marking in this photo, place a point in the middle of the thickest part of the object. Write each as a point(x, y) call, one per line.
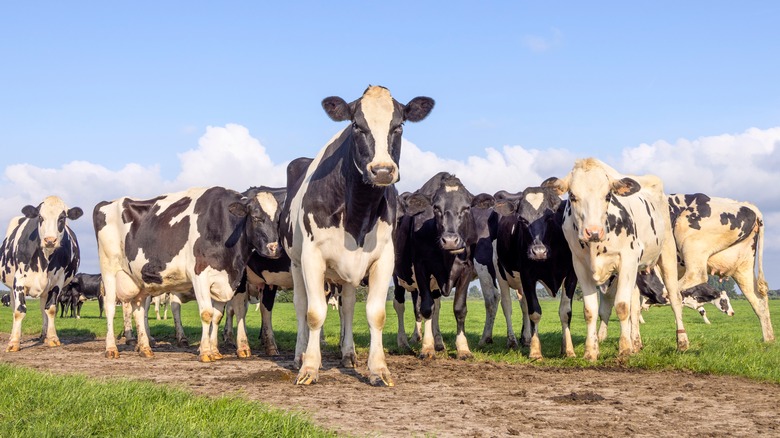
point(267, 203)
point(50, 211)
point(377, 106)
point(449, 189)
point(535, 199)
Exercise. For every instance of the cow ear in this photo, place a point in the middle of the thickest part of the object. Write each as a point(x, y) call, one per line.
point(625, 187)
point(560, 186)
point(30, 212)
point(483, 200)
point(504, 207)
point(416, 203)
point(418, 109)
point(75, 213)
point(338, 110)
point(238, 209)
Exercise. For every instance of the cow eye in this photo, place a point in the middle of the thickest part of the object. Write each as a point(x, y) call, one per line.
point(572, 198)
point(609, 197)
point(398, 129)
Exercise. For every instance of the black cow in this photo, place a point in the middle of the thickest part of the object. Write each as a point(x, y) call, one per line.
point(435, 238)
point(6, 299)
point(338, 221)
point(81, 288)
point(40, 255)
point(65, 302)
point(531, 248)
point(199, 239)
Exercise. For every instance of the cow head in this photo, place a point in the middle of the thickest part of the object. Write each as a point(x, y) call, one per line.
point(537, 212)
point(51, 214)
point(262, 209)
point(591, 185)
point(377, 125)
point(724, 304)
point(451, 204)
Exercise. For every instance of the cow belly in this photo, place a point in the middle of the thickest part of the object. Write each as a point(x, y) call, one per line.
point(35, 283)
point(282, 280)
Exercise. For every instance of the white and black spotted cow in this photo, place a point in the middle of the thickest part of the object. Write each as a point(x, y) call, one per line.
point(435, 239)
point(531, 248)
point(618, 225)
point(337, 224)
point(39, 256)
point(199, 240)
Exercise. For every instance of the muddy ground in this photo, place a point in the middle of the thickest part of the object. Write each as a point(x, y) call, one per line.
point(447, 397)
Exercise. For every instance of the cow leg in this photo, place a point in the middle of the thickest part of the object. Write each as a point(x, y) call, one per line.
point(535, 316)
point(703, 314)
point(139, 312)
point(506, 307)
point(399, 298)
point(166, 304)
point(379, 277)
point(227, 329)
point(525, 331)
point(606, 303)
point(181, 337)
point(127, 324)
point(459, 307)
point(157, 307)
point(636, 314)
point(100, 305)
point(427, 349)
point(438, 341)
point(239, 305)
point(668, 264)
point(346, 314)
point(418, 320)
point(202, 289)
point(313, 274)
point(744, 277)
point(266, 315)
point(109, 288)
point(48, 302)
point(218, 309)
point(626, 282)
point(590, 301)
point(301, 303)
point(490, 295)
point(147, 304)
point(564, 313)
point(19, 307)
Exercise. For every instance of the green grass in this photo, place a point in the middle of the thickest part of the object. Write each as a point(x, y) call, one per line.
point(42, 405)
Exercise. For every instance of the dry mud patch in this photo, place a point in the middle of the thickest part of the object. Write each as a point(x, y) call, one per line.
point(447, 397)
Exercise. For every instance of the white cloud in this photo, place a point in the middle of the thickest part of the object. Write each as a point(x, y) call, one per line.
point(542, 44)
point(740, 166)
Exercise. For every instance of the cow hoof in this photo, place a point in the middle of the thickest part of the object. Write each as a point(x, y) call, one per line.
point(53, 342)
point(427, 355)
point(415, 339)
point(485, 341)
point(243, 354)
point(439, 347)
point(591, 356)
point(112, 354)
point(536, 355)
point(349, 360)
point(216, 356)
point(682, 345)
point(511, 344)
point(307, 377)
point(272, 351)
point(12, 347)
point(464, 355)
point(570, 353)
point(404, 348)
point(183, 343)
point(381, 379)
point(145, 352)
point(205, 358)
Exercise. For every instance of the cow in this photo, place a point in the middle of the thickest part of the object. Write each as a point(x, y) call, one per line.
point(38, 257)
point(435, 239)
point(6, 299)
point(617, 225)
point(84, 287)
point(65, 301)
point(163, 301)
point(531, 248)
point(197, 239)
point(337, 224)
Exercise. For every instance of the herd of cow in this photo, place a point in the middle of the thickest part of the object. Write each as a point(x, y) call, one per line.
point(340, 223)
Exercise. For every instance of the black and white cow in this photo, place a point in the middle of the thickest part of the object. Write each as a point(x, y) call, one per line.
point(436, 238)
point(84, 287)
point(39, 256)
point(618, 225)
point(531, 248)
point(337, 223)
point(6, 300)
point(198, 239)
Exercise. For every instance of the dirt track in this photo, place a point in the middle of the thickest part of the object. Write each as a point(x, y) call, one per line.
point(446, 397)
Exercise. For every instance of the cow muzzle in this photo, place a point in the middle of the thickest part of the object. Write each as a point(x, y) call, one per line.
point(537, 252)
point(272, 250)
point(383, 174)
point(452, 242)
point(49, 242)
point(593, 234)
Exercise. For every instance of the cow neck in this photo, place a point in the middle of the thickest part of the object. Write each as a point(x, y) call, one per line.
point(363, 203)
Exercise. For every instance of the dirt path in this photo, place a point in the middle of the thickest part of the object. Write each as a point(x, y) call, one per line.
point(447, 397)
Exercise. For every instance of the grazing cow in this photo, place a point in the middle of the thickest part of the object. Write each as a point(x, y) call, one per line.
point(436, 238)
point(337, 223)
point(531, 248)
point(84, 287)
point(39, 256)
point(618, 225)
point(198, 239)
point(6, 299)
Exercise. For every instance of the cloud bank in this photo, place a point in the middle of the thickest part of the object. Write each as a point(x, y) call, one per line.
point(741, 166)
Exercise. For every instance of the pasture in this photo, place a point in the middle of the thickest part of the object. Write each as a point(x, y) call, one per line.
point(499, 392)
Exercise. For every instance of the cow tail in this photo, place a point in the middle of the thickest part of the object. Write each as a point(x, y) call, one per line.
point(761, 285)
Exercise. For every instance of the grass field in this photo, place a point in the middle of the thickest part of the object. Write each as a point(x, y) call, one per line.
point(730, 345)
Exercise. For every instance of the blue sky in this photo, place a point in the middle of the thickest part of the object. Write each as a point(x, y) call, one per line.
point(101, 99)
